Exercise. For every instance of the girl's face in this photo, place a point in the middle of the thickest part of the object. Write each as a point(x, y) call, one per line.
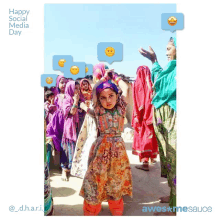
point(62, 85)
point(85, 85)
point(108, 98)
point(171, 51)
point(76, 89)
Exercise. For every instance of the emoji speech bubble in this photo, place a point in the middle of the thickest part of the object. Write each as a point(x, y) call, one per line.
point(172, 21)
point(74, 70)
point(110, 51)
point(89, 69)
point(48, 80)
point(59, 61)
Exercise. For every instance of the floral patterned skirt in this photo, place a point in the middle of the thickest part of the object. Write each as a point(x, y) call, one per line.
point(165, 129)
point(109, 173)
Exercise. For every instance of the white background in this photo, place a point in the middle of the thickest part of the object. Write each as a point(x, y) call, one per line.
point(21, 110)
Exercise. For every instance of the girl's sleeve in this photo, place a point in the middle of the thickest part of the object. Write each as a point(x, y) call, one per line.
point(156, 70)
point(67, 105)
point(52, 108)
point(123, 104)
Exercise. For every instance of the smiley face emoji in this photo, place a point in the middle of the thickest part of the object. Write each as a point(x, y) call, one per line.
point(87, 69)
point(172, 20)
point(74, 70)
point(109, 51)
point(61, 62)
point(49, 80)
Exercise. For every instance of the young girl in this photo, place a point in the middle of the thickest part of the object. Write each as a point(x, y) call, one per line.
point(49, 105)
point(70, 109)
point(108, 177)
point(55, 126)
point(86, 90)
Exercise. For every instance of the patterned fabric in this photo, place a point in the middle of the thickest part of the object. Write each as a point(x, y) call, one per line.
point(109, 174)
point(105, 85)
point(86, 138)
point(145, 143)
point(165, 129)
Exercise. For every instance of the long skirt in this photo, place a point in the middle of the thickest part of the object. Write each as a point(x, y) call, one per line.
point(145, 143)
point(165, 129)
point(109, 173)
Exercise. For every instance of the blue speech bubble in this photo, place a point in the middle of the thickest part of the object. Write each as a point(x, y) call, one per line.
point(172, 21)
point(110, 51)
point(90, 69)
point(74, 70)
point(48, 80)
point(59, 61)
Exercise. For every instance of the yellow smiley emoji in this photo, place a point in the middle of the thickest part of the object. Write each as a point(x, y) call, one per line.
point(172, 20)
point(49, 80)
point(109, 51)
point(61, 62)
point(87, 69)
point(74, 70)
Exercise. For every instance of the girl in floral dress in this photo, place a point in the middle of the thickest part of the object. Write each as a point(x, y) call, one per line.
point(108, 177)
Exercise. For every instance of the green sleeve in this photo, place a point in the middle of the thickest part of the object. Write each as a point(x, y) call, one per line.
point(156, 70)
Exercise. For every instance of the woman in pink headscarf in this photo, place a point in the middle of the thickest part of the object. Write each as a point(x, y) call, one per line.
point(71, 119)
point(145, 143)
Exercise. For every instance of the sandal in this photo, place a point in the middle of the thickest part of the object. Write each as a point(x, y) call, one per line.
point(143, 167)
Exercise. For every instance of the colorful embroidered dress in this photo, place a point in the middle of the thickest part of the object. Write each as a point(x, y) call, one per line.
point(109, 174)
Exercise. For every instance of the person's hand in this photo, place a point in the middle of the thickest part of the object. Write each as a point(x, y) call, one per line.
point(83, 106)
point(109, 73)
point(148, 54)
point(76, 97)
point(87, 103)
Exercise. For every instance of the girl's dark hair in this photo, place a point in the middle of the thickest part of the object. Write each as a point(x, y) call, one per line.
point(76, 83)
point(48, 93)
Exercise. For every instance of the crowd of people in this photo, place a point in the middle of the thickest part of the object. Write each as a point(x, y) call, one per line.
point(83, 125)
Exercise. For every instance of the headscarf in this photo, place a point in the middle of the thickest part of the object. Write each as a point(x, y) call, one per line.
point(173, 39)
point(99, 71)
point(87, 94)
point(58, 82)
point(106, 85)
point(142, 97)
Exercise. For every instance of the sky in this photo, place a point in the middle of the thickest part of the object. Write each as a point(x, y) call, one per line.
point(76, 30)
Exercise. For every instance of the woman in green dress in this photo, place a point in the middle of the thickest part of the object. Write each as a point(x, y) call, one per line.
point(164, 101)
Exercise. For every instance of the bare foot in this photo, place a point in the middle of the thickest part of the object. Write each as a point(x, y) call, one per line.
point(64, 175)
point(144, 167)
point(164, 199)
point(153, 161)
